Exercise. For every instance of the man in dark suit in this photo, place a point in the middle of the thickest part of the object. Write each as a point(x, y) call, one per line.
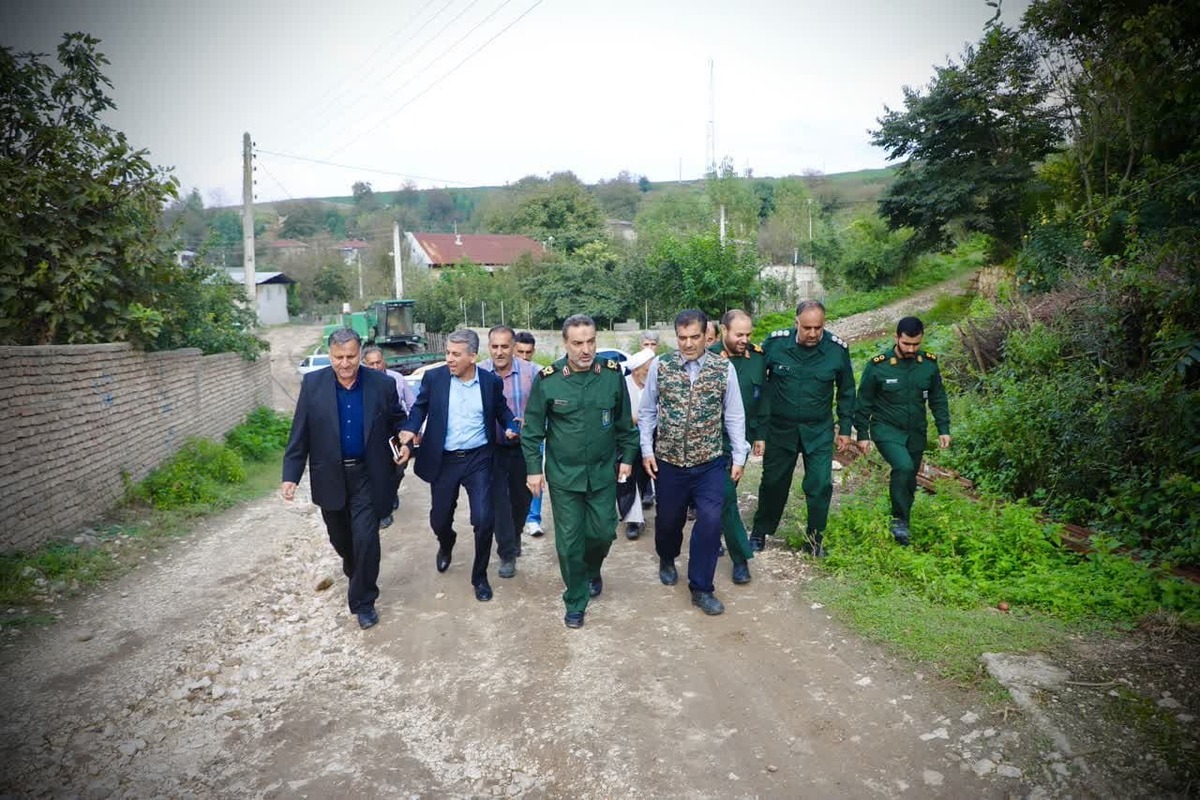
point(460, 407)
point(344, 418)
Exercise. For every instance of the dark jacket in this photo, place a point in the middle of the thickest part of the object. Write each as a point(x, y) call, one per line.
point(316, 439)
point(431, 409)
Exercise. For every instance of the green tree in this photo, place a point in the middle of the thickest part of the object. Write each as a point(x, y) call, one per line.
point(726, 188)
point(83, 256)
point(620, 197)
point(972, 140)
point(699, 272)
point(560, 207)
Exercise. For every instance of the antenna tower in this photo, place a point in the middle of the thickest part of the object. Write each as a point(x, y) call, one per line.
point(710, 155)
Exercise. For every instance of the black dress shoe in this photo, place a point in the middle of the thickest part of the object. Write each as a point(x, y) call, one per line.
point(443, 559)
point(667, 572)
point(633, 530)
point(368, 619)
point(741, 572)
point(595, 586)
point(483, 591)
point(708, 603)
point(573, 619)
point(758, 542)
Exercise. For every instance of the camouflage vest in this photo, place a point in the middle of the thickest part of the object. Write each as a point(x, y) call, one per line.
point(690, 415)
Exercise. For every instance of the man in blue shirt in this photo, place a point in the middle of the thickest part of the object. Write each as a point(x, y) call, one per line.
point(344, 418)
point(462, 408)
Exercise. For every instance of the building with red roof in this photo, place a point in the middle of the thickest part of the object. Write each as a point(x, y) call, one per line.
point(488, 250)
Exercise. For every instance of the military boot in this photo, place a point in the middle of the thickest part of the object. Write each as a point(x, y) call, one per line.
point(812, 544)
point(900, 532)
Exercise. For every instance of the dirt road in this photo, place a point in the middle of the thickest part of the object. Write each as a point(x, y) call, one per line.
point(220, 670)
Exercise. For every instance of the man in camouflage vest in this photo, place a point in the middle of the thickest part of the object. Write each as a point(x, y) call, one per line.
point(896, 386)
point(690, 396)
point(804, 365)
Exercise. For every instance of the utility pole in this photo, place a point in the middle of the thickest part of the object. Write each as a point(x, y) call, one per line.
point(358, 261)
point(809, 204)
point(722, 225)
point(396, 258)
point(248, 221)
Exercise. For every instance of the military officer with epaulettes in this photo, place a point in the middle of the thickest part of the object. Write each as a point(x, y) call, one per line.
point(750, 366)
point(896, 386)
point(804, 366)
point(580, 408)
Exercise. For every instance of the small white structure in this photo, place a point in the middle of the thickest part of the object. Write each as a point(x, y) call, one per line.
point(271, 291)
point(802, 280)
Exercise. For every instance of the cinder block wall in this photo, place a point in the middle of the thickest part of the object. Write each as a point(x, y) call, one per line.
point(75, 418)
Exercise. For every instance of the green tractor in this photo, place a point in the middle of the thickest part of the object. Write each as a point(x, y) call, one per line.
point(388, 324)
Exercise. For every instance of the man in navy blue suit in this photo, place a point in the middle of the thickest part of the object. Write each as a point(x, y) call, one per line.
point(344, 418)
point(460, 407)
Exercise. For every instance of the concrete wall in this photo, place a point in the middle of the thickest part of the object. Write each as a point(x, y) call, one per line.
point(75, 418)
point(272, 304)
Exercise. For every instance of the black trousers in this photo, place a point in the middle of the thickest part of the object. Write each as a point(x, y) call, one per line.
point(354, 533)
point(472, 471)
point(511, 498)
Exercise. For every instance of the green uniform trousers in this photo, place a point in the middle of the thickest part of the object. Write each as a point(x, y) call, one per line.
point(905, 460)
point(736, 541)
point(585, 525)
point(784, 445)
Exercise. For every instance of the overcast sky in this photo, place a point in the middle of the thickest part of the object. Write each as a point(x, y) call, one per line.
point(483, 92)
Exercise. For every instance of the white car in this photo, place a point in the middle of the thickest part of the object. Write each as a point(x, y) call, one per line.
point(313, 363)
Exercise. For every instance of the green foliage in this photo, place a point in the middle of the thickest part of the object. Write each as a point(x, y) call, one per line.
point(619, 198)
point(560, 208)
point(263, 433)
point(700, 272)
point(589, 279)
point(863, 255)
point(82, 256)
point(1052, 252)
point(1089, 413)
point(928, 270)
point(967, 554)
point(193, 476)
point(971, 140)
point(58, 561)
point(207, 311)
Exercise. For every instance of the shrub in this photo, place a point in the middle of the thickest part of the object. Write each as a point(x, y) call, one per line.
point(966, 553)
point(192, 476)
point(264, 433)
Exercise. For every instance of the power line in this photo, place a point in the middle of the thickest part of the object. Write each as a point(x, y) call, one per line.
point(366, 84)
point(436, 58)
point(442, 77)
point(360, 169)
point(332, 93)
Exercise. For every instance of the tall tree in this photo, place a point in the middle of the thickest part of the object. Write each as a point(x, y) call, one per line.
point(561, 209)
point(83, 256)
point(972, 140)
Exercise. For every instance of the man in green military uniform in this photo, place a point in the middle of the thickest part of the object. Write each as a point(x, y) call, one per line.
point(896, 386)
point(748, 362)
point(580, 409)
point(804, 366)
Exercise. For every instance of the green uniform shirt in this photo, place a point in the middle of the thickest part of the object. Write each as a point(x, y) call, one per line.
point(801, 380)
point(751, 372)
point(893, 395)
point(585, 421)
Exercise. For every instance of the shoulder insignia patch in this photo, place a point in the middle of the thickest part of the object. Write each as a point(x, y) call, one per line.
point(879, 359)
point(755, 348)
point(778, 333)
point(548, 371)
point(931, 356)
point(839, 340)
point(893, 361)
point(611, 364)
